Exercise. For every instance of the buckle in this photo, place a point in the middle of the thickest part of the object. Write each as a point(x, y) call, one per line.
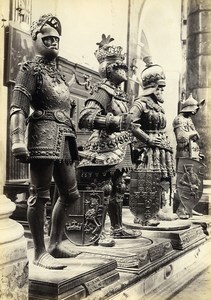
point(60, 116)
point(37, 114)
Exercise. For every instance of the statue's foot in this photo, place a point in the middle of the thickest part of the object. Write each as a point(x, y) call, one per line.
point(121, 233)
point(105, 240)
point(137, 220)
point(195, 213)
point(48, 262)
point(60, 251)
point(152, 222)
point(182, 215)
point(167, 215)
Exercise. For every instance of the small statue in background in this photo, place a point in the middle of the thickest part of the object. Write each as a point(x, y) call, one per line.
point(151, 181)
point(188, 158)
point(51, 143)
point(106, 114)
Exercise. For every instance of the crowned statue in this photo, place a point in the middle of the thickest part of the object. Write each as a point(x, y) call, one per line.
point(105, 114)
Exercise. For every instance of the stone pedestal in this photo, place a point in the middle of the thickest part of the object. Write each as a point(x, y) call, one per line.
point(13, 249)
point(180, 233)
point(83, 276)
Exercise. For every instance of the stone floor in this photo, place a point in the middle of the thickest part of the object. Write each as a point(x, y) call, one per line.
point(198, 289)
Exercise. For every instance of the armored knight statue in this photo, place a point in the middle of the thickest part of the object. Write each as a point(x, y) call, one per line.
point(188, 158)
point(152, 155)
point(105, 114)
point(50, 147)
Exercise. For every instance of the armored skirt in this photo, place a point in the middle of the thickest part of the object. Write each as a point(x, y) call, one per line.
point(151, 117)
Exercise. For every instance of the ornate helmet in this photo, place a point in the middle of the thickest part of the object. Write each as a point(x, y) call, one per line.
point(109, 54)
point(191, 104)
point(48, 19)
point(152, 76)
point(46, 35)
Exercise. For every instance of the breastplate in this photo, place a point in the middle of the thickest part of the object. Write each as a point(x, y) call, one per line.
point(153, 118)
point(118, 106)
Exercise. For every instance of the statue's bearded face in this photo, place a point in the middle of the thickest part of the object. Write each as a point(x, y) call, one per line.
point(159, 94)
point(47, 42)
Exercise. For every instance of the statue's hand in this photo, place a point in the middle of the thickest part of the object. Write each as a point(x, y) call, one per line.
point(154, 141)
point(20, 152)
point(194, 187)
point(195, 136)
point(125, 122)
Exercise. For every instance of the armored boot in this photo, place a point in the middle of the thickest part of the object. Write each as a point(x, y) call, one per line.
point(115, 215)
point(106, 240)
point(181, 212)
point(36, 216)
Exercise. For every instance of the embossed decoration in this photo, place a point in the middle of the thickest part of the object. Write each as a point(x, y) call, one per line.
point(145, 194)
point(85, 222)
point(189, 183)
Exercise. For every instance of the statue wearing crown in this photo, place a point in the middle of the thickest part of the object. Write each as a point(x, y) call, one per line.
point(189, 159)
point(105, 114)
point(152, 155)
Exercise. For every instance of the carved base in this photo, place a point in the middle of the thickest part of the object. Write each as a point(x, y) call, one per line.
point(133, 255)
point(181, 233)
point(83, 276)
point(204, 221)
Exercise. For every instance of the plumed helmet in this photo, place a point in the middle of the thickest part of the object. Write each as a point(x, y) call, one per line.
point(47, 19)
point(108, 54)
point(191, 104)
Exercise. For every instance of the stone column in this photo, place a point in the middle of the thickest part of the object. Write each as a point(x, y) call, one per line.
point(13, 255)
point(198, 74)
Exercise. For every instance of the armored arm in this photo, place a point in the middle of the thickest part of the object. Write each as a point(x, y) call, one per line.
point(19, 111)
point(95, 116)
point(136, 111)
point(184, 130)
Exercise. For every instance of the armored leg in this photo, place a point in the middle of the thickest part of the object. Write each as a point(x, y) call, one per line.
point(115, 208)
point(41, 172)
point(65, 179)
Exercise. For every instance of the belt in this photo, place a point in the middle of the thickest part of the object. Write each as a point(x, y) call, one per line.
point(56, 115)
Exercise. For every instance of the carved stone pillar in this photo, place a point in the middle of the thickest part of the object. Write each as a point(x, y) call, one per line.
point(198, 81)
point(13, 255)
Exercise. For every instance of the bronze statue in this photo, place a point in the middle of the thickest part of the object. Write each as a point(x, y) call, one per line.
point(188, 158)
point(151, 181)
point(106, 114)
point(51, 139)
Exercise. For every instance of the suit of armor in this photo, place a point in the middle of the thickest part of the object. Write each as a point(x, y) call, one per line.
point(151, 117)
point(105, 113)
point(152, 151)
point(50, 146)
point(187, 140)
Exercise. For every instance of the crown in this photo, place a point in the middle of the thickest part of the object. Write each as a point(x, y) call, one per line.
point(48, 19)
point(108, 52)
point(153, 74)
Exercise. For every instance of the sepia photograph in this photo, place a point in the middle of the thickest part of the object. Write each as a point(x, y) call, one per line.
point(105, 161)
